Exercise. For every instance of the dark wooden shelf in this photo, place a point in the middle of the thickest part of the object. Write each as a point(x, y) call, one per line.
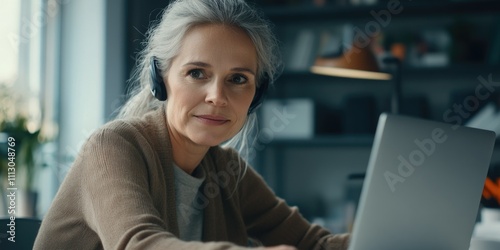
point(345, 140)
point(414, 8)
point(341, 140)
point(464, 68)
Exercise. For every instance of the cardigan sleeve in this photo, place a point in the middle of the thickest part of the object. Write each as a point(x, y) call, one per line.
point(272, 221)
point(116, 198)
point(116, 201)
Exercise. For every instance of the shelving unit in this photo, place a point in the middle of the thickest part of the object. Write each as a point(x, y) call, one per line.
point(331, 157)
point(300, 12)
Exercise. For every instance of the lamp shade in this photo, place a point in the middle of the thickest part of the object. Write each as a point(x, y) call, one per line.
point(357, 62)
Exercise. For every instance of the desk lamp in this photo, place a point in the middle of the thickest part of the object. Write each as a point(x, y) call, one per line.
point(360, 63)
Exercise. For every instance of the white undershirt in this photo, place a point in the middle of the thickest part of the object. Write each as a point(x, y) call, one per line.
point(188, 204)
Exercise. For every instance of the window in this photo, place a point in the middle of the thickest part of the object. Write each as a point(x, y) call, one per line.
point(29, 31)
point(9, 30)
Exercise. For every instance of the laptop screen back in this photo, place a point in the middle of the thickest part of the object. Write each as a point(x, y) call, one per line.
point(423, 185)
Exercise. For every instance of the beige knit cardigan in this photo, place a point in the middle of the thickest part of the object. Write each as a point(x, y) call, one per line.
point(119, 194)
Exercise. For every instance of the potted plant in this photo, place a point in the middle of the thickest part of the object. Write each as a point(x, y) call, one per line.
point(17, 170)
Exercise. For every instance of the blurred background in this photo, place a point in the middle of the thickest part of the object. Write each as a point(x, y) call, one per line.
point(64, 66)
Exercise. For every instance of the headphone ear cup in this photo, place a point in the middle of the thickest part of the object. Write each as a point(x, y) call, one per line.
point(157, 85)
point(259, 94)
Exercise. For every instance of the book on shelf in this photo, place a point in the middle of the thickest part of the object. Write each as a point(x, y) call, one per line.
point(302, 52)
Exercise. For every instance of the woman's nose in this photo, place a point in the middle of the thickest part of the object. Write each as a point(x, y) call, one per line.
point(216, 94)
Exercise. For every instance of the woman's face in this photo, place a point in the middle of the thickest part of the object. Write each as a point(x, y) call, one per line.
point(210, 84)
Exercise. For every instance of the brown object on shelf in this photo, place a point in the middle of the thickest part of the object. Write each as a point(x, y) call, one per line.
point(357, 62)
point(398, 50)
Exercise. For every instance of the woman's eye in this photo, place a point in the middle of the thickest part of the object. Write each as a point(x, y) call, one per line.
point(239, 79)
point(196, 74)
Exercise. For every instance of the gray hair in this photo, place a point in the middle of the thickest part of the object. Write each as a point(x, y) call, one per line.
point(164, 40)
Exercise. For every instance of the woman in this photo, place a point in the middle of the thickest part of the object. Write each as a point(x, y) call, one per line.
point(157, 178)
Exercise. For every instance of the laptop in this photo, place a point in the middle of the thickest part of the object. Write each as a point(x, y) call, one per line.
point(423, 185)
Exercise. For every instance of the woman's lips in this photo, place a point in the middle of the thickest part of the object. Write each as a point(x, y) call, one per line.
point(212, 119)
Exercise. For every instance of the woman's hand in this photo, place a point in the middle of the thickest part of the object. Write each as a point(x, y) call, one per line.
point(281, 247)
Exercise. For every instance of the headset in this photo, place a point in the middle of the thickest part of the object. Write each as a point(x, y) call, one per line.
point(157, 85)
point(159, 90)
